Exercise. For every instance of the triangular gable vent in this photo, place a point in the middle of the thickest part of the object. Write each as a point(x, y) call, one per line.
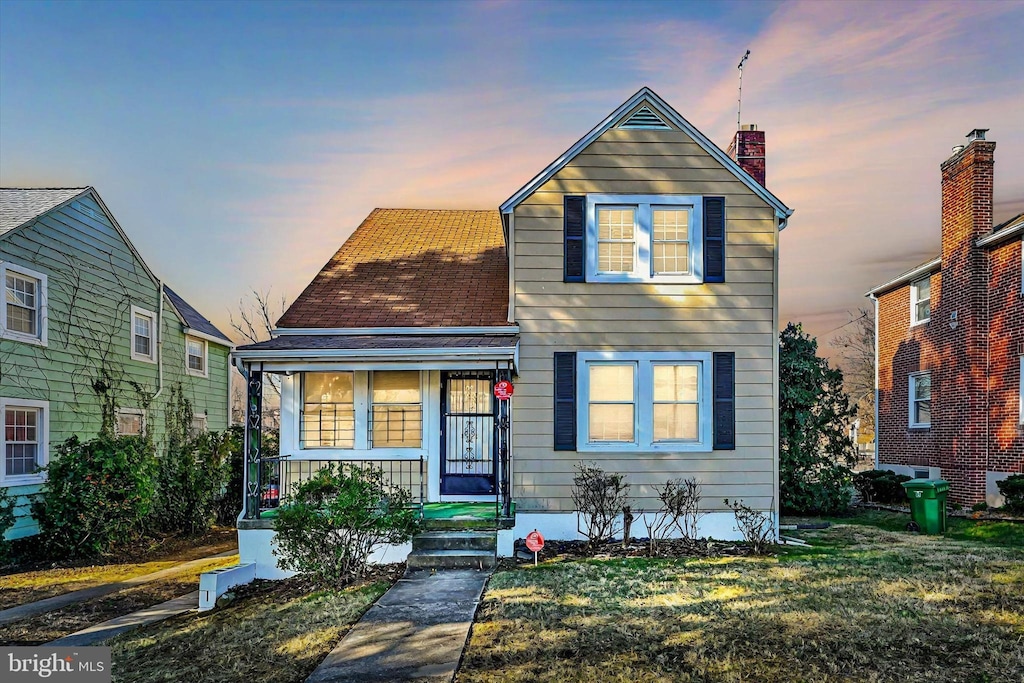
point(645, 118)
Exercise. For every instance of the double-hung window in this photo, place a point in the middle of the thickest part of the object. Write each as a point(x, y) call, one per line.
point(632, 401)
point(361, 410)
point(23, 315)
point(921, 300)
point(25, 440)
point(143, 335)
point(920, 404)
point(195, 356)
point(644, 238)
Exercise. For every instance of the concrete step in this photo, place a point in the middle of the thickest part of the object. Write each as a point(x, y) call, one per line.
point(455, 540)
point(451, 559)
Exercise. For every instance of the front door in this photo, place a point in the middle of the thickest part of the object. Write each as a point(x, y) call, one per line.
point(467, 433)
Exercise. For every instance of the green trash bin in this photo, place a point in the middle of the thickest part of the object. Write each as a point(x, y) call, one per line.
point(928, 503)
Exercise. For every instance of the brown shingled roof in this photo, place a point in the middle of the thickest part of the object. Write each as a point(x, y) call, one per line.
point(411, 268)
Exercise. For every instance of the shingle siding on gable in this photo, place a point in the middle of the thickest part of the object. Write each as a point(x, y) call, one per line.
point(86, 261)
point(556, 316)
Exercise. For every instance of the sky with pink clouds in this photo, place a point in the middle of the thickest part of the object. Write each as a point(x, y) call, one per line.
point(239, 144)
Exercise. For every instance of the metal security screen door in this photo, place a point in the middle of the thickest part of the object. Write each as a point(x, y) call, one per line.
point(467, 433)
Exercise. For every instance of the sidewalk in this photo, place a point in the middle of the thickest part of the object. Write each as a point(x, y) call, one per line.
point(415, 632)
point(31, 609)
point(112, 627)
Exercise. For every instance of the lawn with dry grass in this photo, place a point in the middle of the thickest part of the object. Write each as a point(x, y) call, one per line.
point(20, 585)
point(273, 631)
point(864, 604)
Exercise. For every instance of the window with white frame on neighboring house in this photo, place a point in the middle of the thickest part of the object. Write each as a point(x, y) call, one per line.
point(198, 424)
point(25, 441)
point(643, 238)
point(131, 422)
point(644, 401)
point(143, 335)
point(920, 408)
point(23, 316)
point(361, 410)
point(195, 356)
point(921, 300)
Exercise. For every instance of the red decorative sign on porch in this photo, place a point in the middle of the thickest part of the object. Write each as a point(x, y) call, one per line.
point(503, 390)
point(534, 541)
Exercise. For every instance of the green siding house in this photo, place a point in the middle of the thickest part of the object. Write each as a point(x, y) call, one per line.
point(86, 322)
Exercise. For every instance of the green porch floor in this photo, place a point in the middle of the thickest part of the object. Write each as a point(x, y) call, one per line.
point(480, 512)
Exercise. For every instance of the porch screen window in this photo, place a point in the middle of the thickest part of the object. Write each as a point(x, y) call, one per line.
point(677, 402)
point(328, 410)
point(396, 409)
point(21, 441)
point(612, 403)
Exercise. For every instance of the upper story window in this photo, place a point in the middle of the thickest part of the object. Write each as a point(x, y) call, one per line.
point(25, 441)
point(23, 316)
point(143, 335)
point(644, 238)
point(195, 356)
point(921, 300)
point(633, 401)
point(920, 404)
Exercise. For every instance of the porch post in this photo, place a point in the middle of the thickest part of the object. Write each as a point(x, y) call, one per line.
point(504, 427)
point(253, 444)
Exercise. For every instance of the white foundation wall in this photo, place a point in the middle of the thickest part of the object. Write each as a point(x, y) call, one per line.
point(564, 526)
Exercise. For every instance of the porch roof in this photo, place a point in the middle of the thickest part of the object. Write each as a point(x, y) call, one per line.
point(381, 347)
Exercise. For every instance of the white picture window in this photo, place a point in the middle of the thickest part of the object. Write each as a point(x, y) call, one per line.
point(920, 403)
point(25, 441)
point(23, 315)
point(196, 356)
point(396, 409)
point(921, 300)
point(130, 422)
point(143, 335)
point(631, 401)
point(644, 238)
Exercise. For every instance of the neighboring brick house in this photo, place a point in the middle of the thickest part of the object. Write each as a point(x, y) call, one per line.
point(950, 344)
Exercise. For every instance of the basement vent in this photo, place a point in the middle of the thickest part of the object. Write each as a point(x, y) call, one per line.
point(645, 118)
point(921, 474)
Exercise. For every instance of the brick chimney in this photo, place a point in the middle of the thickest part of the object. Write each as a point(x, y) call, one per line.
point(960, 409)
point(747, 150)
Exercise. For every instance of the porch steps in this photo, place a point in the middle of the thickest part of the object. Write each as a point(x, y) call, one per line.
point(453, 550)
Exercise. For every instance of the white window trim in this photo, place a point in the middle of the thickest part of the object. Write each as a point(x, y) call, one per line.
point(130, 411)
point(206, 423)
point(642, 264)
point(39, 339)
point(643, 428)
point(914, 301)
point(44, 442)
point(137, 311)
point(361, 404)
point(206, 357)
point(910, 400)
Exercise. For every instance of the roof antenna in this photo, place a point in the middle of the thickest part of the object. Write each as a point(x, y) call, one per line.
point(739, 98)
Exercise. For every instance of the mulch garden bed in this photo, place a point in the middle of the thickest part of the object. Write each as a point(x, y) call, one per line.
point(637, 547)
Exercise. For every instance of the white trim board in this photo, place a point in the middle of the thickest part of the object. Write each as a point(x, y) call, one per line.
point(782, 211)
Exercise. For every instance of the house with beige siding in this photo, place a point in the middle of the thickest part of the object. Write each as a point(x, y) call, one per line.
point(623, 304)
point(86, 326)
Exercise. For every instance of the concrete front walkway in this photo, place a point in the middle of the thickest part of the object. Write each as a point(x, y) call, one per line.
point(112, 627)
point(415, 632)
point(32, 609)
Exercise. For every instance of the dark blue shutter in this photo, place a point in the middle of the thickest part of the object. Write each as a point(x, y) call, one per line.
point(565, 401)
point(575, 224)
point(714, 239)
point(724, 412)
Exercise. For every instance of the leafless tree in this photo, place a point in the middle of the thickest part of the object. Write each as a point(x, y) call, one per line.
point(253, 322)
point(856, 347)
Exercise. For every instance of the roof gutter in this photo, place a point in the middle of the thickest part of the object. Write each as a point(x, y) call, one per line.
point(478, 353)
point(192, 332)
point(394, 331)
point(908, 276)
point(1000, 235)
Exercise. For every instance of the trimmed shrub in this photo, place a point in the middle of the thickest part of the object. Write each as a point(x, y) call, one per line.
point(7, 504)
point(98, 495)
point(881, 486)
point(1012, 489)
point(599, 497)
point(335, 519)
point(755, 526)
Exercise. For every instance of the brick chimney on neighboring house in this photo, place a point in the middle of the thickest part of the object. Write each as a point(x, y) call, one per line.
point(961, 311)
point(747, 150)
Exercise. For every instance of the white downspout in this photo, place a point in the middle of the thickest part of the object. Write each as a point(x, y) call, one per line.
point(874, 300)
point(159, 338)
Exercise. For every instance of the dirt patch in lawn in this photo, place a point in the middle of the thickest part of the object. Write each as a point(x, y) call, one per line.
point(271, 631)
point(28, 583)
point(58, 623)
point(863, 604)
